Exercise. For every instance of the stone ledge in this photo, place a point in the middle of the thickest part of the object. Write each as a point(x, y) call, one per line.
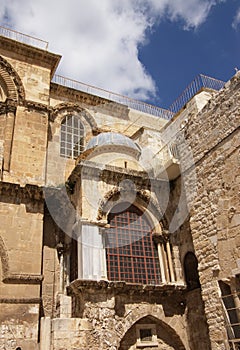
point(31, 54)
point(12, 278)
point(120, 287)
point(20, 300)
point(12, 190)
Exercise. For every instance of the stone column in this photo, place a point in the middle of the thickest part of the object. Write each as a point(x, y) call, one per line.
point(161, 262)
point(169, 256)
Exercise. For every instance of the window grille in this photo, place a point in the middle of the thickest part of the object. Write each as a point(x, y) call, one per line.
point(131, 253)
point(231, 305)
point(234, 344)
point(232, 317)
point(72, 137)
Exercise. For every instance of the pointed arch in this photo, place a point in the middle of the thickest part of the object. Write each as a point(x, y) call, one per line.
point(165, 333)
point(143, 199)
point(10, 82)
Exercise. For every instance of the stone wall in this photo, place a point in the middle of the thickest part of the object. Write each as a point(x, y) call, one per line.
point(213, 137)
point(107, 313)
point(202, 216)
point(20, 248)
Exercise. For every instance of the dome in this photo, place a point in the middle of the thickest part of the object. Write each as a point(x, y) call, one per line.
point(112, 138)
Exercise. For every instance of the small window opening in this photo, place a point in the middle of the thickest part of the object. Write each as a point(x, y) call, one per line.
point(145, 334)
point(125, 165)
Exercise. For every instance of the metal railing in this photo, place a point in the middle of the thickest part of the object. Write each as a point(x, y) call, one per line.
point(201, 81)
point(131, 103)
point(23, 38)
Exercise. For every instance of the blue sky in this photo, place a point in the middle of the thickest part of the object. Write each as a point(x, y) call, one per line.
point(146, 49)
point(175, 56)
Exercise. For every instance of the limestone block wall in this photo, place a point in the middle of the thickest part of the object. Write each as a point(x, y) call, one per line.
point(35, 78)
point(28, 153)
point(213, 137)
point(33, 66)
point(105, 314)
point(20, 248)
point(97, 115)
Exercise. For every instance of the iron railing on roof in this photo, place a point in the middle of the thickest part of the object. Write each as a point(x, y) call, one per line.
point(131, 103)
point(201, 81)
point(23, 38)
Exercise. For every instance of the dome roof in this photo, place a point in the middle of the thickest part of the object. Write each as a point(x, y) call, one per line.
point(112, 138)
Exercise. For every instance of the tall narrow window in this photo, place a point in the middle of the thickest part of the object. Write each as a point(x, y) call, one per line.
point(131, 252)
point(72, 137)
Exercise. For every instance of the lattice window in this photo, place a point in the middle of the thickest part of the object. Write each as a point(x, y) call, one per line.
point(234, 344)
point(131, 253)
point(231, 305)
point(72, 137)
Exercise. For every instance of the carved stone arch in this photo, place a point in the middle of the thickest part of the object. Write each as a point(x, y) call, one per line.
point(11, 82)
point(105, 205)
point(112, 198)
point(62, 109)
point(153, 206)
point(4, 258)
point(139, 315)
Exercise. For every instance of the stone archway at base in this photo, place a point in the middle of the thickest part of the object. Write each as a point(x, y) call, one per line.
point(150, 333)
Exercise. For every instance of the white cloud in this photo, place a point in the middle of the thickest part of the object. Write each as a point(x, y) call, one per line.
point(236, 20)
point(99, 40)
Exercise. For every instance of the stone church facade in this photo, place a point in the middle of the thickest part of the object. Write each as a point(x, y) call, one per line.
point(119, 220)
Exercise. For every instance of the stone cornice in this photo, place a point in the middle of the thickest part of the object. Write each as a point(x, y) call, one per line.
point(13, 278)
point(32, 105)
point(93, 287)
point(31, 54)
point(9, 106)
point(20, 300)
point(85, 100)
point(17, 194)
point(108, 172)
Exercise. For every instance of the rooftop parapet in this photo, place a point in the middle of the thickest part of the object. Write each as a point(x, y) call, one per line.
point(130, 102)
point(23, 38)
point(200, 82)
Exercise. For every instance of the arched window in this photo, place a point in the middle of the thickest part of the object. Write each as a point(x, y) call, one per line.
point(72, 137)
point(191, 271)
point(131, 253)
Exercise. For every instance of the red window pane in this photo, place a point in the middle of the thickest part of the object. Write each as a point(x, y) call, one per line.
point(131, 253)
